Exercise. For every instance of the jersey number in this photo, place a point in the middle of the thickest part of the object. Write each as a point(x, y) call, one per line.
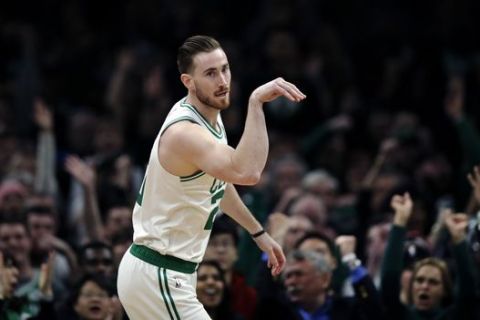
point(217, 196)
point(140, 193)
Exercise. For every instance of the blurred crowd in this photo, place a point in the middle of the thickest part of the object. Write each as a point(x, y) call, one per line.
point(372, 185)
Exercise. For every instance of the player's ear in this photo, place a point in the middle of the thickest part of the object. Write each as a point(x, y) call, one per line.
point(187, 80)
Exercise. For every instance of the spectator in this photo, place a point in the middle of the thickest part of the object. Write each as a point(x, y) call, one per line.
point(90, 299)
point(287, 231)
point(12, 197)
point(34, 306)
point(41, 224)
point(222, 248)
point(97, 258)
point(318, 242)
point(213, 293)
point(313, 208)
point(307, 279)
point(430, 293)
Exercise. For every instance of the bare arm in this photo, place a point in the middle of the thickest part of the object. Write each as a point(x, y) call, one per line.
point(84, 174)
point(45, 180)
point(233, 206)
point(187, 147)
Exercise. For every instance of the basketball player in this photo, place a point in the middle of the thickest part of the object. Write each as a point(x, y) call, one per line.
point(189, 179)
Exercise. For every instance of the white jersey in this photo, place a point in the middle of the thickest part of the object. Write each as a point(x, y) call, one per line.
point(174, 215)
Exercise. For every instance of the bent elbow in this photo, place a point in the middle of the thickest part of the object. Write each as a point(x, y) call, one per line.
point(252, 179)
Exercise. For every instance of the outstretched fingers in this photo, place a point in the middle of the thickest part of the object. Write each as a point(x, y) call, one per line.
point(290, 91)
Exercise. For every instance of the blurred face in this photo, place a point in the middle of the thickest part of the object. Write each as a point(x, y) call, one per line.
point(320, 246)
point(42, 228)
point(211, 79)
point(99, 261)
point(15, 241)
point(287, 175)
point(209, 286)
point(222, 249)
point(118, 219)
point(12, 202)
point(303, 283)
point(312, 208)
point(107, 138)
point(326, 191)
point(427, 288)
point(93, 302)
point(297, 228)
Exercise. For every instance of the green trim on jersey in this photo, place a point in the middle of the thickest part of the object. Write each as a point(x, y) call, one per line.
point(141, 192)
point(218, 134)
point(191, 177)
point(184, 118)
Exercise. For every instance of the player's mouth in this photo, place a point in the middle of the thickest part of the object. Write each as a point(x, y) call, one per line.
point(222, 93)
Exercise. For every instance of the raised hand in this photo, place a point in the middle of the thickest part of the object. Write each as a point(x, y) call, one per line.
point(81, 171)
point(46, 275)
point(276, 88)
point(8, 279)
point(474, 179)
point(42, 115)
point(456, 224)
point(403, 205)
point(347, 244)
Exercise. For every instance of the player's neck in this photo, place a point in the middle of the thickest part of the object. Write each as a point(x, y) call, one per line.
point(208, 112)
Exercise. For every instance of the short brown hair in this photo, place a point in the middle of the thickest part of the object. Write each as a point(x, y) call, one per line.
point(191, 47)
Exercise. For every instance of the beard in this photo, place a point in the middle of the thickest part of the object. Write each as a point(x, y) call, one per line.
point(219, 103)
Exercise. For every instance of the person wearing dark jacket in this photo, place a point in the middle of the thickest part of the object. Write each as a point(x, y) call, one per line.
point(307, 280)
point(430, 292)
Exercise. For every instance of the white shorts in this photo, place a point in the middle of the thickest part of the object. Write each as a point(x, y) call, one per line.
point(151, 291)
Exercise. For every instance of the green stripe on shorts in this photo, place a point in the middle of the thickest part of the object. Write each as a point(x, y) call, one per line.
point(163, 294)
point(168, 293)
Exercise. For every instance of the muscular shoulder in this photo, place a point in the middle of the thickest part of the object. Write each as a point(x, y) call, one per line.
point(183, 136)
point(180, 144)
